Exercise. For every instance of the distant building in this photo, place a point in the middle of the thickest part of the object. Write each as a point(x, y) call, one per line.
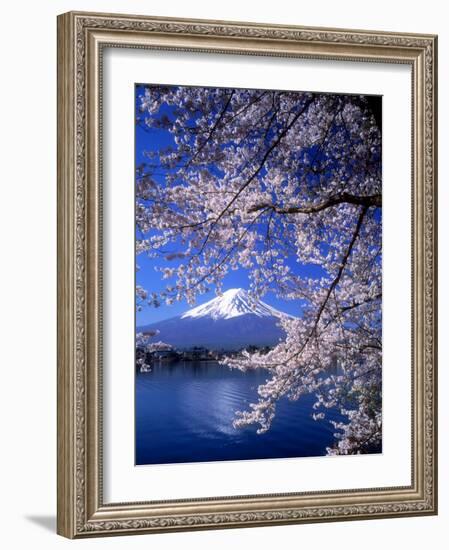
point(164, 356)
point(197, 353)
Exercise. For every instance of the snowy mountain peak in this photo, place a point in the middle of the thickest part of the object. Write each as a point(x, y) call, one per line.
point(231, 321)
point(232, 303)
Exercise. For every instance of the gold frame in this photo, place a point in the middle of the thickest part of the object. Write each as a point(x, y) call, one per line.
point(81, 38)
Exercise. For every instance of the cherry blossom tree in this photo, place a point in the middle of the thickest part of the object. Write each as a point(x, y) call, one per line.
point(145, 347)
point(272, 182)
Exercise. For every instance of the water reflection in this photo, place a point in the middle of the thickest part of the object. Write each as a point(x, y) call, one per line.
point(185, 413)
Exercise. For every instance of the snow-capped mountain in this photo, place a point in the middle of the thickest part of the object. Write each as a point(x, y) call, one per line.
point(232, 303)
point(229, 321)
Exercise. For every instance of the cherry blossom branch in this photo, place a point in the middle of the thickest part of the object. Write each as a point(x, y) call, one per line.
point(261, 164)
point(342, 198)
point(211, 132)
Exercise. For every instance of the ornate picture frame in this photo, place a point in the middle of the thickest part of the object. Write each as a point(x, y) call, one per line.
point(82, 39)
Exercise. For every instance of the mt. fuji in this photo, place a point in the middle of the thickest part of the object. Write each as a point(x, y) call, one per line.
point(229, 321)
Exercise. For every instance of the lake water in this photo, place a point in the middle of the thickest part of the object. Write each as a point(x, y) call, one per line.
point(184, 413)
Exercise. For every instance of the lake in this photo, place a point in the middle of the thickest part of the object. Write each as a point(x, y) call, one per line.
point(184, 413)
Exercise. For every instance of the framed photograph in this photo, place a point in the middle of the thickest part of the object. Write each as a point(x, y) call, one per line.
point(246, 274)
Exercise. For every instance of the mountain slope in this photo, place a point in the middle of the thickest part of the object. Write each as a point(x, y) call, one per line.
point(227, 322)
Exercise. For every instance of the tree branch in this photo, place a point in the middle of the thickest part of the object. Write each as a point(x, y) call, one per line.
point(275, 143)
point(342, 265)
point(342, 198)
point(211, 132)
